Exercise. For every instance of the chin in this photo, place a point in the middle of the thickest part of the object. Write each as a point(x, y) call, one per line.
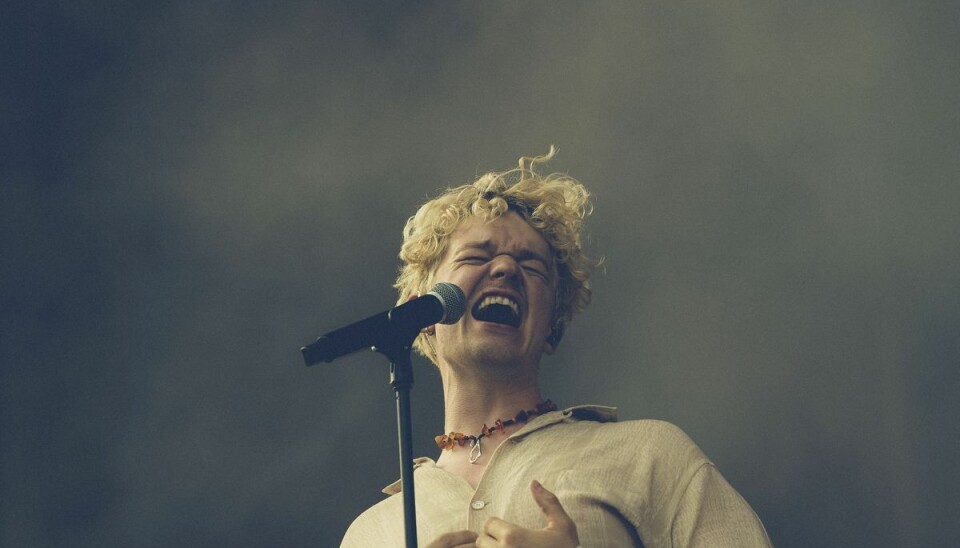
point(498, 356)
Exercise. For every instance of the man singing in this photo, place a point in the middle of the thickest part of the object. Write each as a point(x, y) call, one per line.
point(514, 470)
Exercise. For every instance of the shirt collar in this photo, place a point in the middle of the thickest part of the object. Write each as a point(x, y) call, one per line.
point(596, 413)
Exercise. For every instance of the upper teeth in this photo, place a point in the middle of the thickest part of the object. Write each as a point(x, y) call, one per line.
point(507, 301)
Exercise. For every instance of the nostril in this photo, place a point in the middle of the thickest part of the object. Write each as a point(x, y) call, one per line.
point(504, 268)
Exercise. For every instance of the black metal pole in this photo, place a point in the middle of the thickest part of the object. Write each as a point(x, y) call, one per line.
point(401, 379)
point(396, 347)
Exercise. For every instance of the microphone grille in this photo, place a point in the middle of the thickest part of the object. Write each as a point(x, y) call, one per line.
point(452, 299)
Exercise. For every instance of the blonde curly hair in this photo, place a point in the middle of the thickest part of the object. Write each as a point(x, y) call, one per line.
point(555, 205)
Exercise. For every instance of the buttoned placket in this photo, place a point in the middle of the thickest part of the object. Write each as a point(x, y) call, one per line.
point(482, 504)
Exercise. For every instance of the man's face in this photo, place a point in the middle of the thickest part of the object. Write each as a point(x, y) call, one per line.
point(507, 272)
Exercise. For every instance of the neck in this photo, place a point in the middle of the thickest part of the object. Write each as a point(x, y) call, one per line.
point(472, 401)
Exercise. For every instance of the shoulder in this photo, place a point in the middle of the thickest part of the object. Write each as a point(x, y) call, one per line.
point(649, 455)
point(602, 418)
point(651, 439)
point(375, 524)
point(652, 428)
point(662, 436)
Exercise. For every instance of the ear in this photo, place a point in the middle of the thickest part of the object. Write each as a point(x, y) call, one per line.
point(553, 339)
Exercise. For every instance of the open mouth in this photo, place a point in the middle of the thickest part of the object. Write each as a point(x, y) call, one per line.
point(497, 309)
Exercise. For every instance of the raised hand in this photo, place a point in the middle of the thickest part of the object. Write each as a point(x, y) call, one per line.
point(560, 531)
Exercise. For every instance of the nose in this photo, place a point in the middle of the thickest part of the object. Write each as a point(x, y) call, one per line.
point(504, 266)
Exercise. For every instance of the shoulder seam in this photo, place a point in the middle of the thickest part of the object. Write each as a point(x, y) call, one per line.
point(673, 520)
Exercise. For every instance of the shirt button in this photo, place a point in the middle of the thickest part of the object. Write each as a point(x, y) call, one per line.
point(477, 505)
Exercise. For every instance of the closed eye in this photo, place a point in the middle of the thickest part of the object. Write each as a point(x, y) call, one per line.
point(534, 269)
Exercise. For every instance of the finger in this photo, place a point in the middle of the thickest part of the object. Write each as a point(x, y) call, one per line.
point(504, 533)
point(486, 541)
point(549, 504)
point(497, 528)
point(454, 539)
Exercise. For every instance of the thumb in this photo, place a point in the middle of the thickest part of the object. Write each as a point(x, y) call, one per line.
point(550, 505)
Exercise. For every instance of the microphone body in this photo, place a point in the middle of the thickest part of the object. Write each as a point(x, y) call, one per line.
point(445, 303)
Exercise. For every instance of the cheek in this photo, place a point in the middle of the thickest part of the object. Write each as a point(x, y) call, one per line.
point(442, 335)
point(464, 278)
point(548, 307)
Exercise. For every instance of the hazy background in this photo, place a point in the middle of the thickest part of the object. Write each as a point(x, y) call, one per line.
point(192, 191)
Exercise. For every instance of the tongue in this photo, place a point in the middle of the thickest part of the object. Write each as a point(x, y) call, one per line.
point(497, 313)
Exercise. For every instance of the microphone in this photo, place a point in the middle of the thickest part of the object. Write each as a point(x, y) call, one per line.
point(445, 303)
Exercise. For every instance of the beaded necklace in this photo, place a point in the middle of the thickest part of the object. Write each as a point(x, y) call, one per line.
point(447, 441)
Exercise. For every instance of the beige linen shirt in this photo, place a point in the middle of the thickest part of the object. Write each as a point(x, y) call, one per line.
point(633, 483)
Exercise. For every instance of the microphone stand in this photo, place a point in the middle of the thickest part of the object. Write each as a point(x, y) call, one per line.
point(401, 379)
point(395, 332)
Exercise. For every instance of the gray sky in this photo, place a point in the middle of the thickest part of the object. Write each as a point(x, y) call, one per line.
point(191, 192)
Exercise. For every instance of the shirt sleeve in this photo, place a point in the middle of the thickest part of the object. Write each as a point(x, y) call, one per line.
point(712, 513)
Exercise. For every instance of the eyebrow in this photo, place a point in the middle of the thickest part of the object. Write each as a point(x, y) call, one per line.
point(523, 254)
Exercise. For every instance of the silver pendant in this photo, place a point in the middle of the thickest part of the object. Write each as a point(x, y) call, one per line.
point(475, 452)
